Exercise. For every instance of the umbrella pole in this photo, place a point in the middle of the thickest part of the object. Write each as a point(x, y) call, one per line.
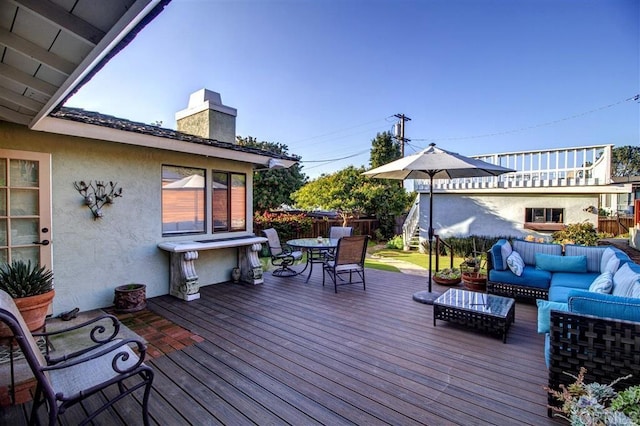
point(427, 296)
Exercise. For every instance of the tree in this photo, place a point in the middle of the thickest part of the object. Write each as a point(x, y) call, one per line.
point(384, 149)
point(352, 195)
point(272, 188)
point(625, 161)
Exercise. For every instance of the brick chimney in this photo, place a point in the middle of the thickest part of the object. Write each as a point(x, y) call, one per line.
point(207, 117)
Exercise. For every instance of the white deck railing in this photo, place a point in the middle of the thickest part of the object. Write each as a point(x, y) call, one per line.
point(561, 167)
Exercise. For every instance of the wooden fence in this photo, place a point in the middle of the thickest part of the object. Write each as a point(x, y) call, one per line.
point(321, 227)
point(615, 225)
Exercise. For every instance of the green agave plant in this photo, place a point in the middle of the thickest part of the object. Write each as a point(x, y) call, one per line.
point(21, 279)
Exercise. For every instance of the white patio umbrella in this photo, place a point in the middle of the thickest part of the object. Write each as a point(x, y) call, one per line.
point(434, 163)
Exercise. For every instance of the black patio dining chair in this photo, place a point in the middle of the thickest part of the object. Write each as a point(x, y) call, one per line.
point(335, 233)
point(282, 257)
point(63, 381)
point(349, 259)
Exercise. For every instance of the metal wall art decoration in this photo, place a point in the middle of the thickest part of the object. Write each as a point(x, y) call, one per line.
point(97, 194)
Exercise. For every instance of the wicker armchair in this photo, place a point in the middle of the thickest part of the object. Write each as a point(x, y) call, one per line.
point(64, 381)
point(607, 348)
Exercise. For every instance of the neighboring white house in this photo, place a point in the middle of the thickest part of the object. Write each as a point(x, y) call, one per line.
point(549, 190)
point(194, 184)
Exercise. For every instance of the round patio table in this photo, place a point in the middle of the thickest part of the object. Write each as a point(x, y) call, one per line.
point(316, 249)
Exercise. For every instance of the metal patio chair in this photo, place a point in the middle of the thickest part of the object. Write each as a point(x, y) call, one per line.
point(282, 257)
point(335, 233)
point(66, 380)
point(349, 259)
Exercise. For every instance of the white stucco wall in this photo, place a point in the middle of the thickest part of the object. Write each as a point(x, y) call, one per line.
point(491, 214)
point(92, 257)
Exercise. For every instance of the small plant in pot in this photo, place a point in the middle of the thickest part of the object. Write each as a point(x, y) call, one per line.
point(31, 287)
point(448, 276)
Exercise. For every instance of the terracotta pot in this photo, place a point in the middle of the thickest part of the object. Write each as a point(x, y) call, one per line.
point(130, 298)
point(474, 280)
point(34, 310)
point(444, 281)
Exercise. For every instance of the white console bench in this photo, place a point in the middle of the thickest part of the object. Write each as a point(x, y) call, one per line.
point(184, 279)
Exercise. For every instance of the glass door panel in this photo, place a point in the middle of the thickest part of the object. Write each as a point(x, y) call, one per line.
point(3, 233)
point(24, 202)
point(23, 173)
point(24, 232)
point(25, 207)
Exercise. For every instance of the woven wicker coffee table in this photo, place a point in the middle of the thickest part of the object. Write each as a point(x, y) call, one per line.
point(481, 311)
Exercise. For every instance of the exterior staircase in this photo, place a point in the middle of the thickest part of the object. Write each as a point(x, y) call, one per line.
point(411, 227)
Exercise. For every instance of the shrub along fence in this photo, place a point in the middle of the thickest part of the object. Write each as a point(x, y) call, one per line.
point(317, 227)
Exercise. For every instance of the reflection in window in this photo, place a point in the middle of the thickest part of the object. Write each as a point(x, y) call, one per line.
point(228, 199)
point(544, 215)
point(183, 200)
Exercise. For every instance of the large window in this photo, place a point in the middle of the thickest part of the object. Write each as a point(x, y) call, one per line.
point(229, 201)
point(183, 200)
point(544, 219)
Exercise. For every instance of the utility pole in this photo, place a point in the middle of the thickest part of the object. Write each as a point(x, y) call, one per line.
point(400, 135)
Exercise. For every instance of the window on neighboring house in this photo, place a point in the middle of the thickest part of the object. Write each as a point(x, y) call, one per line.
point(229, 201)
point(544, 219)
point(183, 200)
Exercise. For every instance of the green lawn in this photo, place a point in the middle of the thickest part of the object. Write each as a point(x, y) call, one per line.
point(415, 257)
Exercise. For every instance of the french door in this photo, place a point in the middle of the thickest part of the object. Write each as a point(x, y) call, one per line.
point(25, 207)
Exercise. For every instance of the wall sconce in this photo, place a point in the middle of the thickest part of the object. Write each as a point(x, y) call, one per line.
point(97, 195)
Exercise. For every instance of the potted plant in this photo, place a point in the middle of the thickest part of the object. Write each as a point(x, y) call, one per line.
point(597, 404)
point(31, 287)
point(448, 276)
point(130, 298)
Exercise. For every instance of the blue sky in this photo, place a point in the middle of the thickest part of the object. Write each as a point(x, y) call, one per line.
point(324, 76)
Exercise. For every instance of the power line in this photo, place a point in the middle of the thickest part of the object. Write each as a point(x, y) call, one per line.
point(339, 130)
point(336, 159)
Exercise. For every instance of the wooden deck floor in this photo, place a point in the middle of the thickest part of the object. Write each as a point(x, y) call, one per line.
point(290, 352)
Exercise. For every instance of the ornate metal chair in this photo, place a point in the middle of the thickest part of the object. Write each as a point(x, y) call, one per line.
point(282, 257)
point(349, 259)
point(68, 379)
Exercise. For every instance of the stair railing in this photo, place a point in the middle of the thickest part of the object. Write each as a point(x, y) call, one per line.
point(411, 223)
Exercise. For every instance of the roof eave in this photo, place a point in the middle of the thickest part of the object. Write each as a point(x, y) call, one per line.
point(99, 55)
point(91, 131)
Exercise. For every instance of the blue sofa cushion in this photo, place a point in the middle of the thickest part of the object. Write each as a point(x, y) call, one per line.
point(528, 250)
point(560, 293)
point(573, 280)
point(604, 305)
point(626, 281)
point(603, 283)
point(499, 253)
point(531, 277)
point(544, 313)
point(547, 350)
point(553, 263)
point(594, 255)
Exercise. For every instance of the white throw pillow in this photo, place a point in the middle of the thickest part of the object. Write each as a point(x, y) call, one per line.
point(505, 252)
point(609, 261)
point(602, 284)
point(626, 282)
point(515, 263)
